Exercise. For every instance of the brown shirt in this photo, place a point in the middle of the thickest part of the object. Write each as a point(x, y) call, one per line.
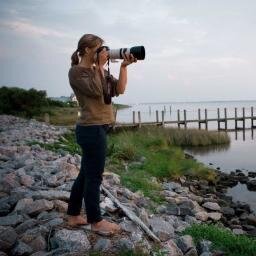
point(88, 88)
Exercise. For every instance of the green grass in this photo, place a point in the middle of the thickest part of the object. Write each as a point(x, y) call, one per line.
point(223, 239)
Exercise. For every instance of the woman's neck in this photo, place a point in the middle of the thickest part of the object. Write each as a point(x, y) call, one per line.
point(85, 63)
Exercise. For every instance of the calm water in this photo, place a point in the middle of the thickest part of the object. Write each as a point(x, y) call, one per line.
point(240, 154)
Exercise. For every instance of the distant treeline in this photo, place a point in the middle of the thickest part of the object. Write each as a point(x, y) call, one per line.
point(26, 103)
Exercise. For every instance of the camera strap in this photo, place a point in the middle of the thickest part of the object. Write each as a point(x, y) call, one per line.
point(108, 89)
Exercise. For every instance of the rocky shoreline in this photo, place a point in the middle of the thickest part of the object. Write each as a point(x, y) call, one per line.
point(34, 190)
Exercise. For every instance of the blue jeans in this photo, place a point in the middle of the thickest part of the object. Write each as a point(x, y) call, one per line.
point(92, 140)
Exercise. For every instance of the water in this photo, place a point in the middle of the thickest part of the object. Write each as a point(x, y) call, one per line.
point(240, 154)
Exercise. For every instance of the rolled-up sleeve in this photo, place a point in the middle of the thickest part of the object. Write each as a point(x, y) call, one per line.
point(89, 85)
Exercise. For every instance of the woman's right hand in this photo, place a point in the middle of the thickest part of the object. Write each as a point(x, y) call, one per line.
point(103, 57)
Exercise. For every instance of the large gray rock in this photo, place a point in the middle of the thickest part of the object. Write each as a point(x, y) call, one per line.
point(21, 249)
point(211, 206)
point(185, 243)
point(8, 237)
point(39, 206)
point(102, 245)
point(28, 224)
point(214, 215)
point(203, 216)
point(23, 204)
point(170, 248)
point(71, 240)
point(124, 244)
point(38, 244)
point(163, 229)
point(11, 220)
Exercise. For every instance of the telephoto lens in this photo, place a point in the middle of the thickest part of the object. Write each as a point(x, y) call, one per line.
point(137, 51)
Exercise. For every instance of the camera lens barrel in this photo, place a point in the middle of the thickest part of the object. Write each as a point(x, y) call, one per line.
point(137, 51)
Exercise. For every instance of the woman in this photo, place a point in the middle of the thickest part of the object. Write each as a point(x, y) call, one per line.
point(87, 78)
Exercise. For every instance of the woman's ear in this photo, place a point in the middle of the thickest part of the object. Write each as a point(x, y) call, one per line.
point(86, 50)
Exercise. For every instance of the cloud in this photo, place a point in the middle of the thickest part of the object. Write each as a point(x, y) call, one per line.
point(25, 27)
point(227, 62)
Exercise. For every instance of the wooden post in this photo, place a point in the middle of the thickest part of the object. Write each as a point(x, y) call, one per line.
point(133, 117)
point(199, 119)
point(206, 121)
point(178, 112)
point(235, 118)
point(243, 118)
point(139, 118)
point(157, 117)
point(150, 110)
point(164, 109)
point(218, 118)
point(170, 109)
point(185, 118)
point(47, 118)
point(252, 126)
point(226, 121)
point(163, 118)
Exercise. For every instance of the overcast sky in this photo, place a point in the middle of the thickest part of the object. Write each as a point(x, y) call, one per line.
point(196, 50)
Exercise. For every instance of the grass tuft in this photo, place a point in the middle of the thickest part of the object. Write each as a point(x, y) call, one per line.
point(223, 239)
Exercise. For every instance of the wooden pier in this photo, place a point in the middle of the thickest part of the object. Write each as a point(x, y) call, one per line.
point(201, 121)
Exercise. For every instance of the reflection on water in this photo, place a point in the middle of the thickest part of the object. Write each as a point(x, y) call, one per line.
point(242, 194)
point(239, 154)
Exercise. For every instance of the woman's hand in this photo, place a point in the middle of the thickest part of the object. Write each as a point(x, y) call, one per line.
point(102, 59)
point(128, 59)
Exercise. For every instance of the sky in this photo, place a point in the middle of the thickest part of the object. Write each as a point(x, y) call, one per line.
point(196, 50)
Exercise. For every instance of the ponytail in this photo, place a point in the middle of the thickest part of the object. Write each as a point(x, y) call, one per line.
point(74, 58)
point(87, 40)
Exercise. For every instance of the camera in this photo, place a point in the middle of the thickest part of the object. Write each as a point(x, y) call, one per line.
point(137, 51)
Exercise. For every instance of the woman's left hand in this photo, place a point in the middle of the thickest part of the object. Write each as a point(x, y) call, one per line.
point(128, 59)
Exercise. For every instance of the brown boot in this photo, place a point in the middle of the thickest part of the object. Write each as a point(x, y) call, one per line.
point(76, 220)
point(105, 227)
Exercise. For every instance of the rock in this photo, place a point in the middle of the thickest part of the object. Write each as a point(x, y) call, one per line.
point(191, 220)
point(228, 211)
point(9, 181)
point(39, 206)
point(72, 240)
point(204, 246)
point(251, 185)
point(171, 249)
point(203, 216)
point(21, 249)
point(26, 180)
point(28, 224)
point(11, 220)
point(102, 245)
point(185, 243)
point(191, 252)
point(211, 206)
point(38, 244)
point(60, 206)
point(124, 244)
point(8, 237)
point(54, 222)
point(237, 231)
point(23, 204)
point(171, 186)
point(163, 230)
point(251, 219)
point(172, 209)
point(214, 216)
point(108, 205)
